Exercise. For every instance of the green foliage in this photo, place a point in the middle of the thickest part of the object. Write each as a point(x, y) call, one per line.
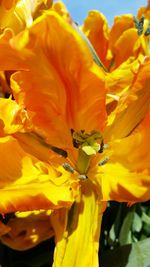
point(132, 255)
point(127, 239)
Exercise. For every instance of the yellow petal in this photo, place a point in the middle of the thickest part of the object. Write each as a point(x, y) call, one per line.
point(14, 121)
point(126, 174)
point(28, 184)
point(9, 111)
point(78, 244)
point(121, 77)
point(119, 184)
point(132, 106)
point(19, 14)
point(61, 9)
point(134, 150)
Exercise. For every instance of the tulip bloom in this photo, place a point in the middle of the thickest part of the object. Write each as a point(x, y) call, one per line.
point(58, 148)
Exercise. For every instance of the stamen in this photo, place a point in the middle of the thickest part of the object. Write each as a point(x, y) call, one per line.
point(59, 151)
point(101, 147)
point(103, 161)
point(139, 24)
point(147, 32)
point(83, 177)
point(68, 167)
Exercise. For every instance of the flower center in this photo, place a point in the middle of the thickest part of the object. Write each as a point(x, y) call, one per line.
point(88, 145)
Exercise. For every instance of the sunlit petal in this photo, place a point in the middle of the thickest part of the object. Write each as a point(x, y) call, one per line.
point(68, 73)
point(12, 117)
point(118, 183)
point(96, 29)
point(19, 14)
point(132, 106)
point(81, 231)
point(121, 24)
point(28, 184)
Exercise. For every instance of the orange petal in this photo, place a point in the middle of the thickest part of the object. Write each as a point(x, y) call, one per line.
point(144, 11)
point(121, 24)
point(15, 61)
point(4, 229)
point(62, 72)
point(28, 231)
point(121, 51)
point(96, 29)
point(8, 3)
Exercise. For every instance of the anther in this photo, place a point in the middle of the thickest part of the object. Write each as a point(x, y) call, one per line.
point(147, 32)
point(59, 151)
point(101, 147)
point(103, 161)
point(139, 24)
point(83, 177)
point(68, 167)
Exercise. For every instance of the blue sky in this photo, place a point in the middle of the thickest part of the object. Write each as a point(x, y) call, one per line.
point(79, 8)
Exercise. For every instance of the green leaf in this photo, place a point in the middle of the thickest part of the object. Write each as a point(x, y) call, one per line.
point(112, 233)
point(145, 218)
point(125, 236)
point(135, 255)
point(140, 254)
point(137, 223)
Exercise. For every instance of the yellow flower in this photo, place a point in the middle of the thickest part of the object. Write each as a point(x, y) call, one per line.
point(66, 155)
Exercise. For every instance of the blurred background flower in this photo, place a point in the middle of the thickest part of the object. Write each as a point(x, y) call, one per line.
point(79, 9)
